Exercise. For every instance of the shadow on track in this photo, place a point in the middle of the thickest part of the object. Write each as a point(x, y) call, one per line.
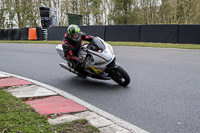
point(94, 83)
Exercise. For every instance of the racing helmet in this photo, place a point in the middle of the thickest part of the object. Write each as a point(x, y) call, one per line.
point(74, 32)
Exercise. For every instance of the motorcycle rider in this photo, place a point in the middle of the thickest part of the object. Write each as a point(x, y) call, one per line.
point(71, 44)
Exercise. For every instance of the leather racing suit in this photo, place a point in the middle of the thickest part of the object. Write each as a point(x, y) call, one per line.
point(71, 48)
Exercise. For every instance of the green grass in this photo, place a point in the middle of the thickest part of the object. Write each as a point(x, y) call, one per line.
point(157, 45)
point(18, 117)
point(138, 44)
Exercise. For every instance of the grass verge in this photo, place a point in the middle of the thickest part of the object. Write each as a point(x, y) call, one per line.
point(18, 117)
point(138, 44)
point(157, 45)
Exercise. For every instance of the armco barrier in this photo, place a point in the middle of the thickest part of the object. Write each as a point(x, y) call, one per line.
point(189, 34)
point(122, 33)
point(159, 33)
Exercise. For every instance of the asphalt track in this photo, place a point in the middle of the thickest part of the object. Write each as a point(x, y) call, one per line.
point(163, 95)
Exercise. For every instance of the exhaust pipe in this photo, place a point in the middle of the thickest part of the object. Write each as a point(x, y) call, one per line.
point(63, 65)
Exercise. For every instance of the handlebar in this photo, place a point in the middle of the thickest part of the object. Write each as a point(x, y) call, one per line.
point(84, 49)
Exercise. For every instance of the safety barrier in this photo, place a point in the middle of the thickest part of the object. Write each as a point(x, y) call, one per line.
point(58, 32)
point(132, 33)
point(159, 33)
point(21, 34)
point(189, 34)
point(129, 33)
point(136, 33)
point(32, 35)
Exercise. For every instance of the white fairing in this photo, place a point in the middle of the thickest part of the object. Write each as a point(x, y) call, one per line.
point(59, 50)
point(107, 54)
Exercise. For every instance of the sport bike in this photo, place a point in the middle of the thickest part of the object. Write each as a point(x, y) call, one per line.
point(98, 61)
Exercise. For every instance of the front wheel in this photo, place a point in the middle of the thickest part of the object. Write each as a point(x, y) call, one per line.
point(120, 76)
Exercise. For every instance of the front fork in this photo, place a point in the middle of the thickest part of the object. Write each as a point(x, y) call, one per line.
point(112, 66)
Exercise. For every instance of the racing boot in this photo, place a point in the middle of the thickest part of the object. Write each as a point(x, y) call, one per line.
point(79, 69)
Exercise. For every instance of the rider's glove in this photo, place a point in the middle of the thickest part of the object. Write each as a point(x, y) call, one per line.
point(84, 49)
point(80, 59)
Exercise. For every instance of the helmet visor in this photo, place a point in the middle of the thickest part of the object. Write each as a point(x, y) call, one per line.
point(76, 36)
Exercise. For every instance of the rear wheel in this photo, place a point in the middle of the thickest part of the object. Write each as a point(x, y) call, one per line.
point(120, 76)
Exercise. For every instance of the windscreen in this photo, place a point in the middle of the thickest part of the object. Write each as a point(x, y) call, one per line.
point(96, 44)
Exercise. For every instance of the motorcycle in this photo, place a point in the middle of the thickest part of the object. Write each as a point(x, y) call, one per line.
point(98, 61)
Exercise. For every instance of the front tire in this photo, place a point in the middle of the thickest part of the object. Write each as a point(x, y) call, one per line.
point(120, 76)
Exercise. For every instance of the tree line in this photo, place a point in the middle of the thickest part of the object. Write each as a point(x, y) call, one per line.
point(25, 13)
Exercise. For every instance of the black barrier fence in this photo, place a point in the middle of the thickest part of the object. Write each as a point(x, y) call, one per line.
point(159, 33)
point(19, 34)
point(14, 34)
point(6, 34)
point(129, 33)
point(94, 30)
point(132, 33)
point(189, 34)
point(39, 33)
point(58, 32)
point(2, 34)
point(24, 34)
point(10, 34)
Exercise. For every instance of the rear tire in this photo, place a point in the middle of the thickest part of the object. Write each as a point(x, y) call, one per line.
point(120, 76)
